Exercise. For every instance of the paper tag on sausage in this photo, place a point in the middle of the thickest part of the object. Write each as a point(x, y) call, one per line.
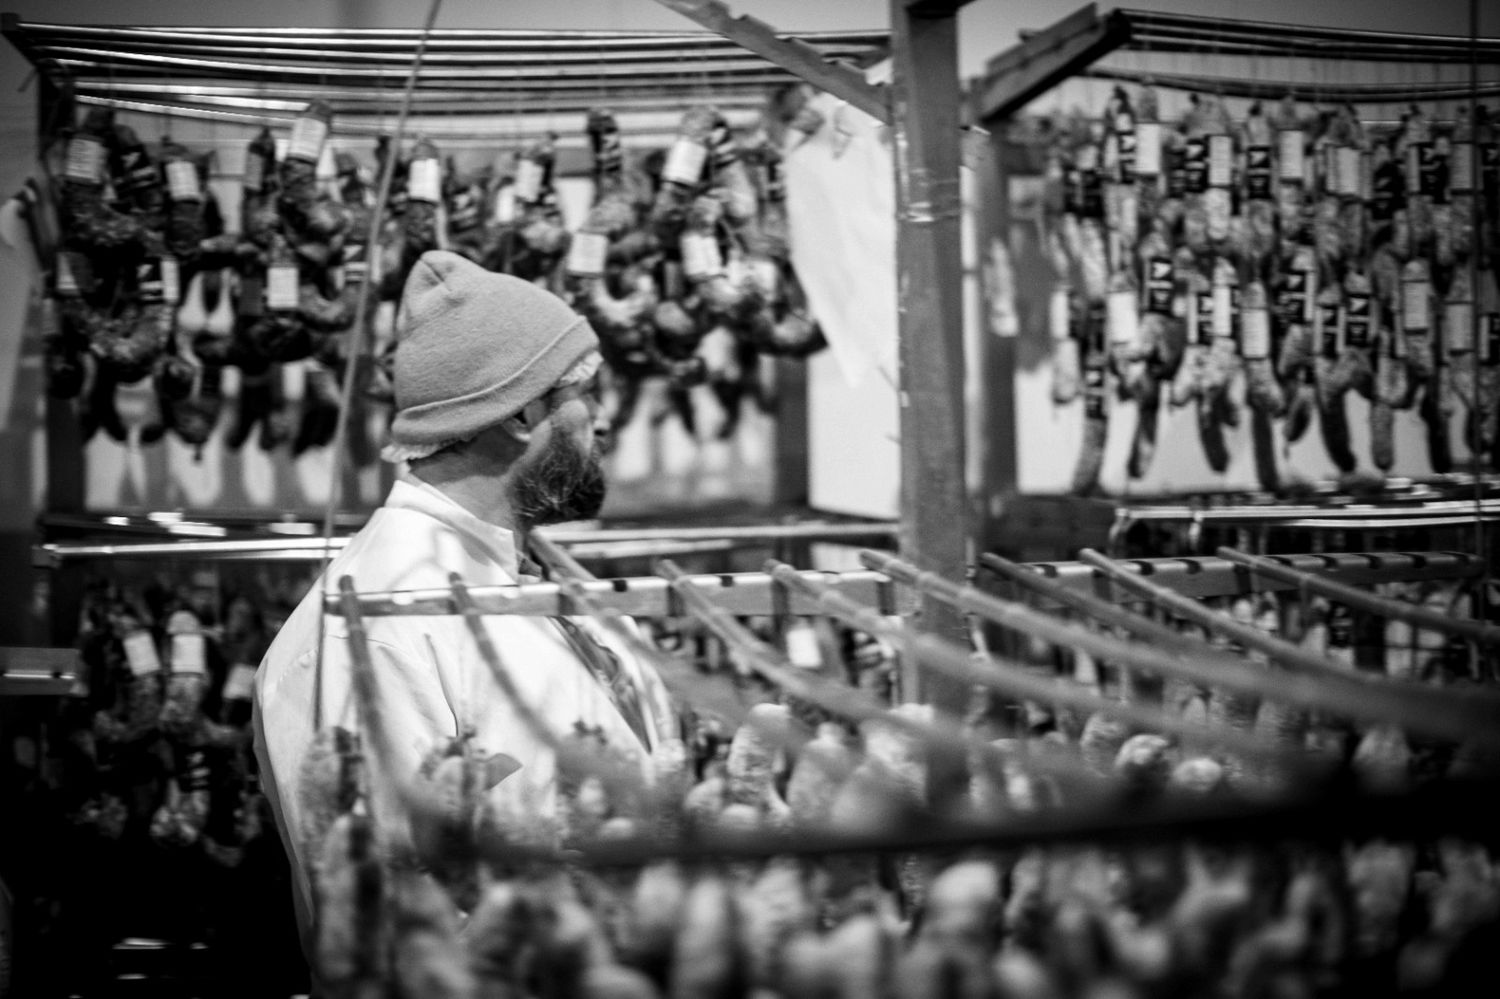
point(189, 654)
point(802, 646)
point(1220, 160)
point(1293, 297)
point(1125, 153)
point(1458, 326)
point(1201, 320)
point(1290, 153)
point(1255, 333)
point(1346, 171)
point(1093, 392)
point(140, 653)
point(424, 180)
point(182, 181)
point(587, 253)
point(1122, 318)
point(1328, 329)
point(1258, 171)
point(293, 375)
point(1416, 306)
point(254, 175)
point(148, 283)
point(85, 162)
point(1059, 318)
point(1160, 277)
point(308, 135)
point(505, 205)
point(1461, 168)
point(1222, 299)
point(1357, 321)
point(685, 161)
point(1489, 338)
point(529, 177)
point(1489, 165)
point(67, 283)
point(171, 280)
point(463, 211)
point(1176, 171)
point(700, 255)
point(282, 291)
point(1148, 149)
point(239, 685)
point(1195, 164)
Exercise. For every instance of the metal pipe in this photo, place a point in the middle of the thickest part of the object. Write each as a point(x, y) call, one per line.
point(1016, 682)
point(1416, 712)
point(1474, 631)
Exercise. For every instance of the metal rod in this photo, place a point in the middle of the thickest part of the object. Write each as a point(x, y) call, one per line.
point(1016, 682)
point(1417, 712)
point(1474, 631)
point(945, 733)
point(1354, 93)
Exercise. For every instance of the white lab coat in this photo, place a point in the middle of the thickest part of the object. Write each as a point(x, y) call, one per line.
point(430, 681)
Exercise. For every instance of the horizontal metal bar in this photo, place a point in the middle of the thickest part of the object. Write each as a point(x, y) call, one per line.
point(1286, 512)
point(313, 548)
point(1355, 93)
point(1293, 38)
point(1211, 576)
point(41, 671)
point(742, 594)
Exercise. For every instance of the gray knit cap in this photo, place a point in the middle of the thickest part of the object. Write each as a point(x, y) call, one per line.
point(474, 347)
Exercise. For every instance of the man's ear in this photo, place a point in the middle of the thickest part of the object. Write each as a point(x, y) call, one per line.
point(521, 425)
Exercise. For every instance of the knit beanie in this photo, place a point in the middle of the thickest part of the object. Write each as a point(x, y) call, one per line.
point(474, 347)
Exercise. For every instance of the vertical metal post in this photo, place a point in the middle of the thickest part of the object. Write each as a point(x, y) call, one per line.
point(925, 123)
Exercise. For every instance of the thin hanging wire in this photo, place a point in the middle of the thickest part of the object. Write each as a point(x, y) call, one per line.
point(1477, 447)
point(357, 343)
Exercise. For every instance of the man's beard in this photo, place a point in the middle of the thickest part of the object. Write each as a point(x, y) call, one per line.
point(566, 484)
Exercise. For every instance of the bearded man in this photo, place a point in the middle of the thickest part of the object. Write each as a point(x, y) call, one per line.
point(499, 430)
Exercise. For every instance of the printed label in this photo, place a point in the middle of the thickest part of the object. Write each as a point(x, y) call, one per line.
point(1461, 168)
point(148, 283)
point(1357, 321)
point(239, 685)
point(1176, 171)
point(685, 162)
point(254, 177)
point(1122, 318)
point(293, 377)
point(1093, 392)
point(1255, 333)
point(587, 253)
point(1340, 626)
point(140, 653)
point(1058, 314)
point(189, 654)
point(1195, 165)
point(85, 162)
point(802, 646)
point(1159, 282)
point(1148, 149)
point(1126, 153)
point(505, 205)
point(1458, 326)
point(308, 136)
point(1204, 313)
point(135, 171)
point(1489, 338)
point(356, 265)
point(700, 255)
point(1346, 171)
point(1292, 298)
point(281, 287)
point(463, 211)
point(1258, 171)
point(1416, 306)
point(424, 181)
point(67, 284)
point(1223, 309)
point(1290, 154)
point(182, 181)
point(171, 281)
point(1417, 153)
point(1489, 165)
point(1327, 329)
point(529, 177)
point(1220, 160)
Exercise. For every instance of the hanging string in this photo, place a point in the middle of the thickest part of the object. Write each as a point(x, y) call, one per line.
point(1481, 601)
point(357, 343)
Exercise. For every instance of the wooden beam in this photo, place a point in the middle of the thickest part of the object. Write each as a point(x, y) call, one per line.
point(1046, 58)
point(929, 287)
point(934, 8)
point(791, 55)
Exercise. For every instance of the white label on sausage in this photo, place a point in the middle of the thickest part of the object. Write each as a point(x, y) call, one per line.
point(685, 162)
point(281, 287)
point(1058, 314)
point(700, 255)
point(528, 185)
point(85, 159)
point(140, 653)
point(255, 172)
point(1458, 326)
point(1122, 317)
point(1346, 171)
point(1461, 168)
point(308, 135)
point(1223, 310)
point(1255, 334)
point(67, 284)
point(1148, 149)
point(171, 281)
point(424, 182)
point(294, 381)
point(802, 646)
point(1290, 155)
point(1220, 160)
point(1416, 306)
point(189, 655)
point(587, 252)
point(182, 181)
point(505, 205)
point(239, 685)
